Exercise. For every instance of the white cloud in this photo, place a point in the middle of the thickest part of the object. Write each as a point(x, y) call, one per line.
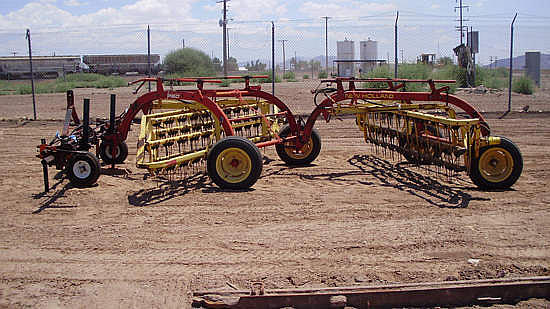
point(73, 3)
point(345, 8)
point(256, 9)
point(435, 6)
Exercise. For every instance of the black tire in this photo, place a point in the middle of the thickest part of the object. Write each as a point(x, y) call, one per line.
point(498, 167)
point(83, 169)
point(242, 171)
point(106, 156)
point(287, 154)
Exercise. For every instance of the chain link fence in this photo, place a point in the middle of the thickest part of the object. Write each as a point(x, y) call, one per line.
point(305, 50)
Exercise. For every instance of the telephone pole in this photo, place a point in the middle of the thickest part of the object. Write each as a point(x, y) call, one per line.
point(223, 24)
point(326, 18)
point(284, 65)
point(460, 28)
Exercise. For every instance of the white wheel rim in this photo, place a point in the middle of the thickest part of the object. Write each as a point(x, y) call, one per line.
point(82, 169)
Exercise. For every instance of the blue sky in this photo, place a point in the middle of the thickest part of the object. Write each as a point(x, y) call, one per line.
point(104, 26)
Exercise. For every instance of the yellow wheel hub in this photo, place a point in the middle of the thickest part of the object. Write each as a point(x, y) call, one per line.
point(233, 165)
point(302, 153)
point(496, 164)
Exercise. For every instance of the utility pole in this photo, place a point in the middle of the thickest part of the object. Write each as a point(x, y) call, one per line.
point(460, 7)
point(223, 23)
point(295, 61)
point(395, 47)
point(227, 29)
point(284, 61)
point(326, 18)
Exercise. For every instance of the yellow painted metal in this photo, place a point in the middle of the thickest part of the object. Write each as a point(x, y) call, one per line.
point(302, 152)
point(184, 131)
point(175, 161)
point(233, 165)
point(496, 164)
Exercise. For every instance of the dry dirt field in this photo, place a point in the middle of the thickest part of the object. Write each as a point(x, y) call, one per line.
point(351, 218)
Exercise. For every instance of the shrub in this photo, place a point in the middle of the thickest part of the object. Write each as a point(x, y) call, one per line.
point(189, 62)
point(523, 85)
point(266, 80)
point(81, 77)
point(445, 73)
point(379, 72)
point(305, 76)
point(323, 74)
point(289, 75)
point(225, 83)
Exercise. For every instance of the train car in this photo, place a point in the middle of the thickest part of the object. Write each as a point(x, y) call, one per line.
point(122, 64)
point(43, 66)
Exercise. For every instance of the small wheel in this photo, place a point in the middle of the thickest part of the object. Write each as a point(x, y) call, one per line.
point(107, 156)
point(307, 154)
point(498, 166)
point(234, 163)
point(83, 169)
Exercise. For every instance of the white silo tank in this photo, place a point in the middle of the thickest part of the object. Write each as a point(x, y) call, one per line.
point(368, 50)
point(345, 50)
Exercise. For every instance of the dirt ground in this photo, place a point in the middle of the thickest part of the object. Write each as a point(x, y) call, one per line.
point(351, 218)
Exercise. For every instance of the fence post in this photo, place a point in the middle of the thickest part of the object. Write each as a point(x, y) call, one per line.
point(395, 45)
point(273, 58)
point(28, 36)
point(510, 68)
point(149, 55)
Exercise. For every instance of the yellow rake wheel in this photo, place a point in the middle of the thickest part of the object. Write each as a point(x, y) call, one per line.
point(234, 163)
point(498, 166)
point(309, 152)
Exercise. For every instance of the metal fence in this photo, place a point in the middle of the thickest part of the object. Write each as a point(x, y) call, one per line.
point(303, 49)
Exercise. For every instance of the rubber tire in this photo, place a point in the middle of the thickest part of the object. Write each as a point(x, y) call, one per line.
point(105, 153)
point(280, 148)
point(92, 162)
point(482, 183)
point(243, 144)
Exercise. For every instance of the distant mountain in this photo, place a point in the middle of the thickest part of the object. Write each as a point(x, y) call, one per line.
point(519, 62)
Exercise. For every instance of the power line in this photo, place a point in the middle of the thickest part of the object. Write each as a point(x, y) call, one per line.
point(461, 20)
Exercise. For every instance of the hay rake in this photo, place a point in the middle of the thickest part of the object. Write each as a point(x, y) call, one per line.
point(424, 132)
point(219, 129)
point(223, 129)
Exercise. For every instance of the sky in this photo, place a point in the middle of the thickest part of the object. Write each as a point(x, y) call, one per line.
point(78, 27)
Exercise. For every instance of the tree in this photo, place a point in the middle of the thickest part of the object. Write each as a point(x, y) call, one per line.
point(445, 61)
point(232, 64)
point(217, 64)
point(255, 66)
point(189, 62)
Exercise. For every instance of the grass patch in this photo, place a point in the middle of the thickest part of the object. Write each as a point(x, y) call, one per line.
point(71, 81)
point(523, 85)
point(289, 75)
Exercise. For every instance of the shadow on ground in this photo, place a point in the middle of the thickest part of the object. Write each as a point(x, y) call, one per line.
point(401, 177)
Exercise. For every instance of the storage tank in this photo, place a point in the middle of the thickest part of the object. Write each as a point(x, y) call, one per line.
point(345, 50)
point(368, 50)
